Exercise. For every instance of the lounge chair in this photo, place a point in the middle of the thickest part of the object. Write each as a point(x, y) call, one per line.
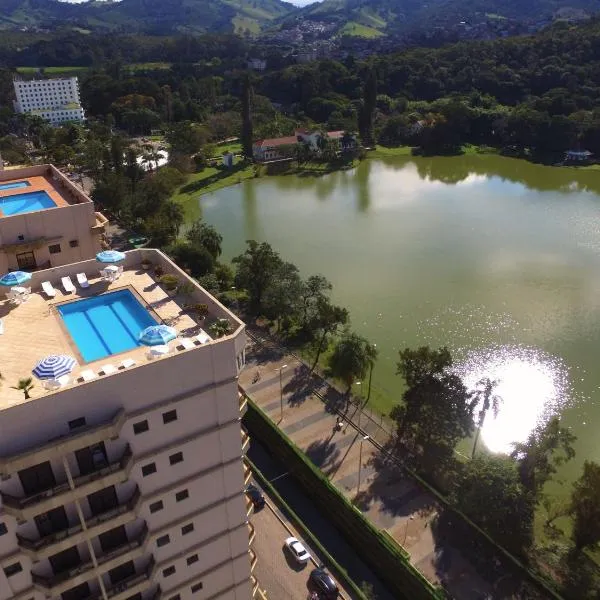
point(159, 350)
point(107, 370)
point(82, 280)
point(203, 337)
point(67, 285)
point(127, 363)
point(48, 289)
point(185, 344)
point(87, 375)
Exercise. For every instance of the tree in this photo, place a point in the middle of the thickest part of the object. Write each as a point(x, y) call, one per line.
point(488, 489)
point(367, 109)
point(196, 260)
point(585, 507)
point(25, 385)
point(202, 234)
point(327, 320)
point(220, 328)
point(247, 132)
point(486, 399)
point(256, 269)
point(312, 291)
point(546, 448)
point(350, 360)
point(281, 296)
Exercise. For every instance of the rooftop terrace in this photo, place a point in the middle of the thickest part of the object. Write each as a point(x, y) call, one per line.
point(35, 329)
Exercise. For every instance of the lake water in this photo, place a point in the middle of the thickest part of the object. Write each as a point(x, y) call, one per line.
point(497, 258)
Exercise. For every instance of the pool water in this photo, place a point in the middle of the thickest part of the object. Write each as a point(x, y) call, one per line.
point(13, 185)
point(24, 203)
point(106, 324)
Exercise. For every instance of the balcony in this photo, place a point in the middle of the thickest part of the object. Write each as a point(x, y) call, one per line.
point(130, 586)
point(251, 533)
point(61, 582)
point(100, 224)
point(29, 506)
point(247, 474)
point(253, 560)
point(243, 403)
point(96, 525)
point(245, 440)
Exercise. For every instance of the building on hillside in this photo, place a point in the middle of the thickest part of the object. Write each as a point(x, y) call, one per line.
point(45, 220)
point(123, 482)
point(257, 64)
point(283, 148)
point(55, 100)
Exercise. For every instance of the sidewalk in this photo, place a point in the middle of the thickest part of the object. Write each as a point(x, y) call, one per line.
point(353, 463)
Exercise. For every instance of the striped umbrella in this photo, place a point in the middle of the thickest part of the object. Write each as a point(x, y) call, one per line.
point(54, 366)
point(110, 256)
point(15, 278)
point(156, 335)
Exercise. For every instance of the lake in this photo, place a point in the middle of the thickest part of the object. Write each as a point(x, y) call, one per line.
point(497, 258)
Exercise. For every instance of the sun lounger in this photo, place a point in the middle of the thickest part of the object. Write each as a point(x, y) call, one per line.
point(82, 280)
point(203, 337)
point(67, 285)
point(156, 351)
point(185, 344)
point(127, 363)
point(87, 375)
point(107, 370)
point(48, 289)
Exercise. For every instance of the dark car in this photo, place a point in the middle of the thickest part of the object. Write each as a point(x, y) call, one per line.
point(256, 497)
point(321, 581)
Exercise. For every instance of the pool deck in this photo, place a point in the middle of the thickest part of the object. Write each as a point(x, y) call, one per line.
point(36, 184)
point(34, 329)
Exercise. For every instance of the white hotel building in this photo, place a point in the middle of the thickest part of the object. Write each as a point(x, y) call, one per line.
point(55, 100)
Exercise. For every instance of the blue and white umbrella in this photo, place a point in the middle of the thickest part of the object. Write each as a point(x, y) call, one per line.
point(110, 256)
point(15, 278)
point(156, 335)
point(54, 366)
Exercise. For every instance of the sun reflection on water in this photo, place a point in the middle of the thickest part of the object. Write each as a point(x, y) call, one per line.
point(531, 383)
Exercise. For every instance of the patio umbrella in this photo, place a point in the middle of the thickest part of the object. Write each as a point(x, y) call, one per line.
point(15, 278)
point(110, 256)
point(54, 366)
point(156, 335)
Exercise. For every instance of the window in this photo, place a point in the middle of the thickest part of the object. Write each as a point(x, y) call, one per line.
point(187, 529)
point(140, 427)
point(74, 243)
point(3, 528)
point(196, 587)
point(75, 423)
point(192, 559)
point(54, 249)
point(148, 469)
point(176, 458)
point(168, 571)
point(13, 569)
point(156, 506)
point(163, 540)
point(26, 260)
point(169, 416)
point(182, 495)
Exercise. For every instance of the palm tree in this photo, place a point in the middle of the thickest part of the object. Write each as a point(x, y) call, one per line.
point(220, 328)
point(25, 386)
point(371, 352)
point(483, 395)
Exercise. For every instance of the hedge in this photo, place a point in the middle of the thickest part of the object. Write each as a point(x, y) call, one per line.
point(376, 548)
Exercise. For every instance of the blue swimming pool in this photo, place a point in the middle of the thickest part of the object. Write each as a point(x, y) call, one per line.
point(14, 185)
point(106, 324)
point(24, 203)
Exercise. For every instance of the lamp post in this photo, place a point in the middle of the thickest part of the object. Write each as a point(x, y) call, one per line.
point(281, 392)
point(363, 438)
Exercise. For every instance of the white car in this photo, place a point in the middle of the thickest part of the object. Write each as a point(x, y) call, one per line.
point(297, 550)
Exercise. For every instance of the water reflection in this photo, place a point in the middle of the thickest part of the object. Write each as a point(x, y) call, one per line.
point(533, 385)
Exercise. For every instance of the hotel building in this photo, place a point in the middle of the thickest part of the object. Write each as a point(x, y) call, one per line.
point(126, 483)
point(55, 100)
point(45, 220)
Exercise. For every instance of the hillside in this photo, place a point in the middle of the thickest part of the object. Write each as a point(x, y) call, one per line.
point(146, 16)
point(407, 16)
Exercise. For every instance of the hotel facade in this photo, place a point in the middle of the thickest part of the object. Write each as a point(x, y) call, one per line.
point(128, 486)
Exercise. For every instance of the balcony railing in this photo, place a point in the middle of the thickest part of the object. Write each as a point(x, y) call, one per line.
point(243, 403)
point(45, 544)
point(245, 440)
point(124, 588)
point(28, 506)
point(251, 533)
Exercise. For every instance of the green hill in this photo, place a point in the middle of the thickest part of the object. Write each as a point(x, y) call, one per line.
point(145, 16)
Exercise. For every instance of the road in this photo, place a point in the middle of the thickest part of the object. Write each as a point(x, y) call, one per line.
point(273, 571)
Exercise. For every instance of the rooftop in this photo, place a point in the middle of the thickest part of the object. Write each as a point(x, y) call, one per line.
point(282, 141)
point(35, 329)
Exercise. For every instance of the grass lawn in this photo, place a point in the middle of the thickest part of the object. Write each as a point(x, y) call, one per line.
point(357, 30)
point(51, 70)
point(383, 151)
point(235, 147)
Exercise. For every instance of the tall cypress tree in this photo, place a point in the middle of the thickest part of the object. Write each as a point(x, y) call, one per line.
point(247, 117)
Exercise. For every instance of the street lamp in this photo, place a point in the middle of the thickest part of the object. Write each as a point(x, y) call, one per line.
point(363, 438)
point(281, 392)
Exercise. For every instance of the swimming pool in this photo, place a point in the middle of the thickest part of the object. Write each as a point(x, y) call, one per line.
point(13, 185)
point(106, 324)
point(24, 203)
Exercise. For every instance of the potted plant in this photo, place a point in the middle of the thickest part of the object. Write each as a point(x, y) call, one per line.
point(200, 310)
point(158, 271)
point(220, 328)
point(170, 283)
point(146, 264)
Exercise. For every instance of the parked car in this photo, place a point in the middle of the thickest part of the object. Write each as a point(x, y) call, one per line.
point(321, 581)
point(297, 550)
point(256, 497)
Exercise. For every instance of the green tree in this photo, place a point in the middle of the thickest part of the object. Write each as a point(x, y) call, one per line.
point(280, 300)
point(367, 109)
point(25, 385)
point(314, 289)
point(220, 328)
point(202, 234)
point(585, 507)
point(247, 133)
point(486, 399)
point(193, 259)
point(327, 319)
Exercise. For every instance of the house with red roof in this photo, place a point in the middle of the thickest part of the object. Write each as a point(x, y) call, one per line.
point(275, 148)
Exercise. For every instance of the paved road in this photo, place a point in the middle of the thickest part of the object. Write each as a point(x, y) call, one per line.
point(326, 533)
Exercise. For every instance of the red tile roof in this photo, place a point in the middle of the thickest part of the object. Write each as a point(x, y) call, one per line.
point(335, 134)
point(282, 141)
